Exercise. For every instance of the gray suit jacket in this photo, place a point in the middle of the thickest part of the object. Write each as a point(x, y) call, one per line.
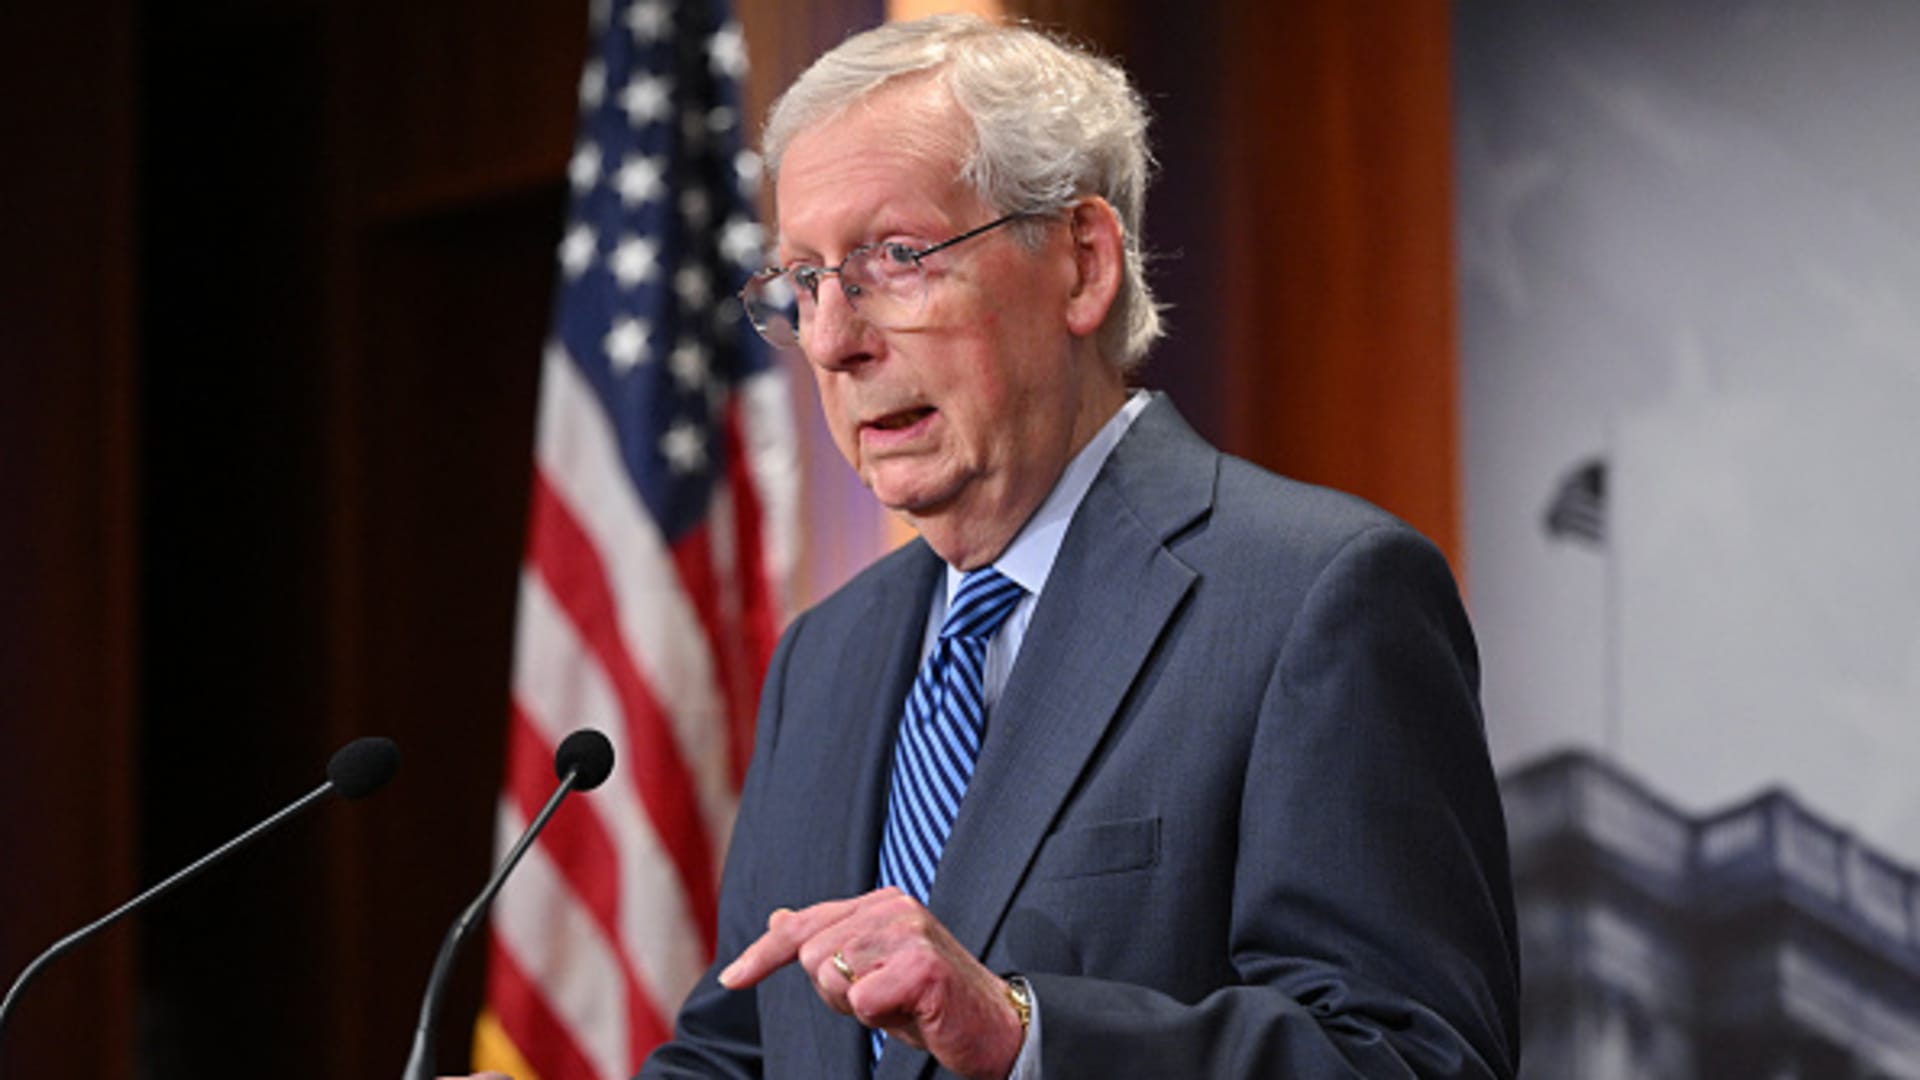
point(1234, 815)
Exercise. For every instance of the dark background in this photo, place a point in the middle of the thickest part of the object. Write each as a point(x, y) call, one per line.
point(276, 274)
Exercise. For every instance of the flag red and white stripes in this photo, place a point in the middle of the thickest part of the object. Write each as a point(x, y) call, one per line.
point(660, 531)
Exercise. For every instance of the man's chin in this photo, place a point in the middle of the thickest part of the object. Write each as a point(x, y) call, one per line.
point(916, 509)
point(910, 496)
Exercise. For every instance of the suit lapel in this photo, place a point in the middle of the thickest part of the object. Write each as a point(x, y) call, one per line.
point(853, 772)
point(1113, 589)
point(870, 696)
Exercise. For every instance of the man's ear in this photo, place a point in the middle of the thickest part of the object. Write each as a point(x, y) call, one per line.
point(1099, 256)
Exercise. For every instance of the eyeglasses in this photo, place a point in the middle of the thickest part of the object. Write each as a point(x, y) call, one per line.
point(884, 282)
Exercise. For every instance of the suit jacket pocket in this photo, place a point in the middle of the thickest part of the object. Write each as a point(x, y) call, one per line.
point(1111, 847)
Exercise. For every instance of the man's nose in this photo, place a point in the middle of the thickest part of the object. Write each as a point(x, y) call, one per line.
point(835, 337)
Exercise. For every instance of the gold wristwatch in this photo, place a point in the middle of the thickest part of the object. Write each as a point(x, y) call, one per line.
point(1021, 998)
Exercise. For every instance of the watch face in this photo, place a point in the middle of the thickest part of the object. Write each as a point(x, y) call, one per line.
point(1021, 998)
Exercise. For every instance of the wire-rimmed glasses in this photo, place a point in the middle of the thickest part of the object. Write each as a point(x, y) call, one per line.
point(884, 283)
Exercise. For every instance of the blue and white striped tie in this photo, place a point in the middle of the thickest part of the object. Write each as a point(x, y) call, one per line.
point(940, 735)
point(946, 718)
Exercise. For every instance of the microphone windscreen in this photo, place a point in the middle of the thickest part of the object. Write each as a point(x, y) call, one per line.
point(588, 755)
point(363, 766)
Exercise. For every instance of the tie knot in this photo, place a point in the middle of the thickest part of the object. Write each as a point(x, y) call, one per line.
point(984, 600)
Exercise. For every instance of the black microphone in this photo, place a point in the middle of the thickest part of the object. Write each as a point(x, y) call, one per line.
point(359, 768)
point(583, 762)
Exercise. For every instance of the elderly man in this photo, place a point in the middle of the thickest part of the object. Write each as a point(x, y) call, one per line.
point(1142, 761)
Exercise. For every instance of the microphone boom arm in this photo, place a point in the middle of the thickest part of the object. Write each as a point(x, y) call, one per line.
point(420, 1061)
point(161, 889)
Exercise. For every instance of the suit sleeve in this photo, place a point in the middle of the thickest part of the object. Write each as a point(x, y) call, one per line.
point(1372, 923)
point(717, 1033)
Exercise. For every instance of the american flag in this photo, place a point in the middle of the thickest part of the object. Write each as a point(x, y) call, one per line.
point(663, 497)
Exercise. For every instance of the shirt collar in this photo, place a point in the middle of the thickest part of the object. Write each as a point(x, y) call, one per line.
point(1029, 559)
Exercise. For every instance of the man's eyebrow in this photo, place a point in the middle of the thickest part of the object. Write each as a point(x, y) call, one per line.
point(788, 246)
point(884, 224)
point(895, 225)
point(783, 257)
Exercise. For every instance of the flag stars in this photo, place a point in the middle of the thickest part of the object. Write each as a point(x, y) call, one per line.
point(693, 285)
point(685, 447)
point(577, 250)
point(648, 20)
point(688, 363)
point(646, 99)
point(746, 167)
point(693, 131)
point(662, 235)
point(740, 242)
point(584, 170)
point(640, 179)
point(780, 292)
point(593, 84)
point(635, 260)
point(727, 51)
point(695, 208)
point(626, 343)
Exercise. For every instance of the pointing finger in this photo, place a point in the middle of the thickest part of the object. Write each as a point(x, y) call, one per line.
point(786, 932)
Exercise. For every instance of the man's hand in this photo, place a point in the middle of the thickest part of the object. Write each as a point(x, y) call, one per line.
point(910, 978)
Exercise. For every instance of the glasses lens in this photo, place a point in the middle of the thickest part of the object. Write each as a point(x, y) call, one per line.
point(882, 282)
point(885, 284)
point(774, 308)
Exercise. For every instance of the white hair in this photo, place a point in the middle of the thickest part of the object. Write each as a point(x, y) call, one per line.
point(1051, 123)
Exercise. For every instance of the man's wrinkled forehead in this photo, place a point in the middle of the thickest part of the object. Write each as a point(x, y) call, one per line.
point(924, 125)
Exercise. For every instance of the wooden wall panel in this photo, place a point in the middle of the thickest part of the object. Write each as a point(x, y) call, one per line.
point(234, 494)
point(445, 386)
point(68, 511)
point(784, 37)
point(458, 101)
point(451, 126)
point(1338, 307)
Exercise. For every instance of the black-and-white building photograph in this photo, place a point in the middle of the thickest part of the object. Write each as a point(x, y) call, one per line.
point(1690, 361)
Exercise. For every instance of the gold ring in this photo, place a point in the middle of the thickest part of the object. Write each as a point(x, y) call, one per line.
point(845, 969)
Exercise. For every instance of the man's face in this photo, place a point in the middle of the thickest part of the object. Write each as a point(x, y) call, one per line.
point(964, 421)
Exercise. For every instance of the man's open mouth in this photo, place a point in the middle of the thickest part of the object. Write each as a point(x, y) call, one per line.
point(903, 419)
